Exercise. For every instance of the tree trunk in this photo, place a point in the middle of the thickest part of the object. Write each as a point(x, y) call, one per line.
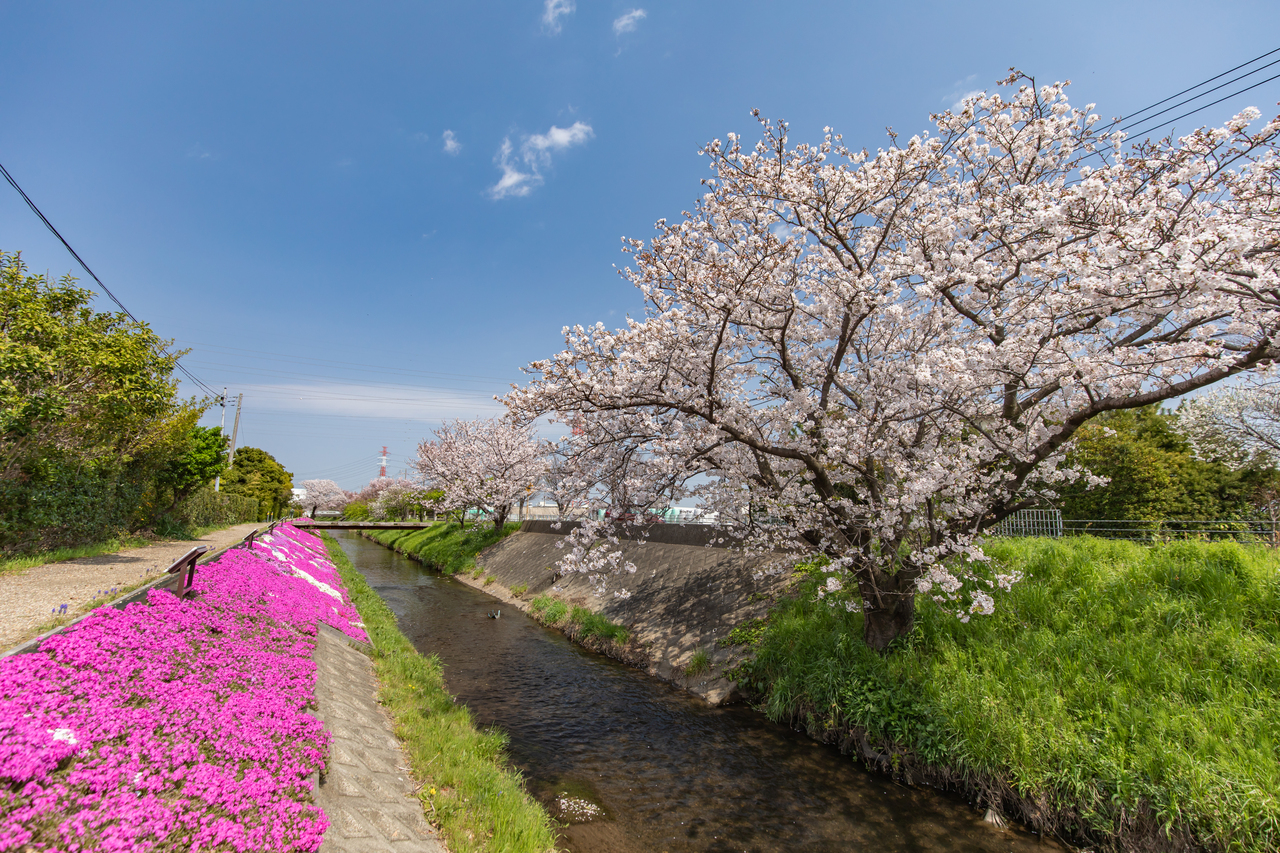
point(890, 614)
point(882, 627)
point(500, 516)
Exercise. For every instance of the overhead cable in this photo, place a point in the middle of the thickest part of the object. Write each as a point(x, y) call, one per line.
point(1134, 115)
point(31, 204)
point(1206, 106)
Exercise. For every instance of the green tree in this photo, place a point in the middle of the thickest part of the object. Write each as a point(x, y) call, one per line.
point(256, 474)
point(205, 457)
point(88, 413)
point(1155, 475)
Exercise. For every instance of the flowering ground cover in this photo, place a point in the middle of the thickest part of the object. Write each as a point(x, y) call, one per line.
point(179, 724)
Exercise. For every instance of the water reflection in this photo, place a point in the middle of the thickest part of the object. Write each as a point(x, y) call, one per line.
point(671, 773)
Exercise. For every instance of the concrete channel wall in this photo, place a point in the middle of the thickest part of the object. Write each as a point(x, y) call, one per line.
point(686, 595)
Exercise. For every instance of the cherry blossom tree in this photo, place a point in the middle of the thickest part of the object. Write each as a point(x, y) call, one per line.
point(375, 487)
point(1238, 423)
point(488, 464)
point(323, 495)
point(874, 357)
point(399, 499)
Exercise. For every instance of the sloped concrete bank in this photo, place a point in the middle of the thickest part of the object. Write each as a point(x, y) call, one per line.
point(686, 595)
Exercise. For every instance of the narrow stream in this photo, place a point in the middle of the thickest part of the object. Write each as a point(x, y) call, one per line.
point(671, 773)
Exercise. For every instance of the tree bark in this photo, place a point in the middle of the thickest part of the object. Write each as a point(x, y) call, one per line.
point(882, 626)
point(888, 609)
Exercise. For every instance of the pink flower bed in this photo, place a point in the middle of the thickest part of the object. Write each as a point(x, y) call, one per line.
point(177, 724)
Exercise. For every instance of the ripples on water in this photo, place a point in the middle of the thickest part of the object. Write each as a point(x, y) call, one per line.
point(671, 773)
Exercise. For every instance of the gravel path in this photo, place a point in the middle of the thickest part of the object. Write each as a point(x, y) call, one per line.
point(27, 596)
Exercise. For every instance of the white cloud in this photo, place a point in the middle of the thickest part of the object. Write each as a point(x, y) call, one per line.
point(451, 143)
point(628, 22)
point(553, 11)
point(522, 170)
point(959, 91)
point(199, 152)
point(513, 181)
point(959, 103)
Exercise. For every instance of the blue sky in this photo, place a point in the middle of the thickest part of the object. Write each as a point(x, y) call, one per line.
point(368, 217)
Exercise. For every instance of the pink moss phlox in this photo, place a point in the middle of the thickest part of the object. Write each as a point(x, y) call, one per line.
point(177, 723)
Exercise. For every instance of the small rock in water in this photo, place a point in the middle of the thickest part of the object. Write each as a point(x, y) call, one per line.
point(994, 818)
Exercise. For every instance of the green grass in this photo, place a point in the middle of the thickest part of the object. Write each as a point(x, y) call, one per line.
point(444, 546)
point(548, 610)
point(698, 664)
point(60, 555)
point(468, 789)
point(519, 589)
point(1133, 690)
point(583, 622)
point(109, 546)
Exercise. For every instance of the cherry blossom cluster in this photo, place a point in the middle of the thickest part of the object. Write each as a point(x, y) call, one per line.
point(876, 356)
point(179, 723)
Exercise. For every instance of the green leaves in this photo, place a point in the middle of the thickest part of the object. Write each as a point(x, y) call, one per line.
point(256, 474)
point(1154, 474)
point(204, 458)
point(88, 416)
point(99, 384)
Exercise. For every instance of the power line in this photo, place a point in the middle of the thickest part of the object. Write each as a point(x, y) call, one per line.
point(1132, 116)
point(1131, 123)
point(1100, 152)
point(1211, 104)
point(31, 204)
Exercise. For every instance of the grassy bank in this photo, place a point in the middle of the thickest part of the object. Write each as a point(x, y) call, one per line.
point(579, 623)
point(479, 802)
point(1122, 694)
point(443, 546)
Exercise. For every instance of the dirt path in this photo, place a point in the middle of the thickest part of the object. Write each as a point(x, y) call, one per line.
point(27, 597)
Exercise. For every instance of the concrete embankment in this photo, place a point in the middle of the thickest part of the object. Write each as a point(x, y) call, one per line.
point(685, 596)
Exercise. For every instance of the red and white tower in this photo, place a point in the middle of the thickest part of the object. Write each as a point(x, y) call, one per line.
point(382, 472)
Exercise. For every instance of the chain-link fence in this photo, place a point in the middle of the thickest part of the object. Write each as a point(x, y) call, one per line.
point(1049, 522)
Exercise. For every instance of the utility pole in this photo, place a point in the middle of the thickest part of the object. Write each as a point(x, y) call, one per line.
point(235, 429)
point(382, 472)
point(222, 429)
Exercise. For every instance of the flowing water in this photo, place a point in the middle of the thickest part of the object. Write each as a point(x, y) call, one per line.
point(670, 773)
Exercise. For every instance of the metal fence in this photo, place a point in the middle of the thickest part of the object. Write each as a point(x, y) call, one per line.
point(1049, 522)
point(1031, 522)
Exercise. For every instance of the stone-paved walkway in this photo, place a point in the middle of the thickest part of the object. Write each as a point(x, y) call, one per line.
point(366, 791)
